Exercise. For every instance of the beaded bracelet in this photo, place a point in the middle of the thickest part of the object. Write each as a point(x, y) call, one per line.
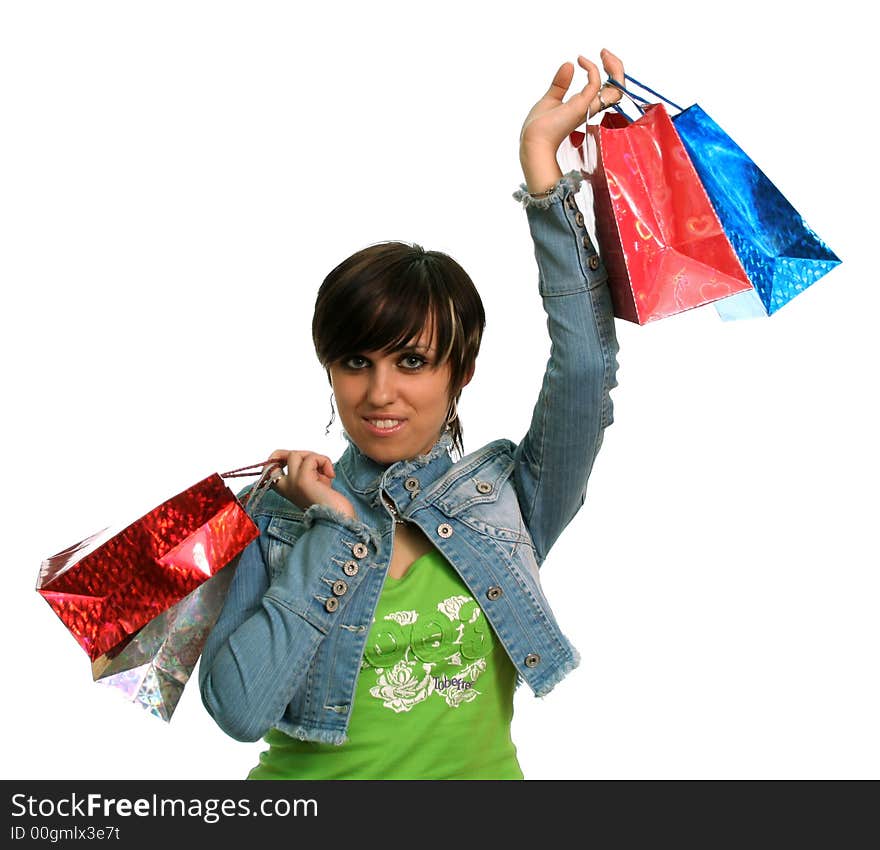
point(544, 193)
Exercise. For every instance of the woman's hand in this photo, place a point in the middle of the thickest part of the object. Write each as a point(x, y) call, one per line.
point(550, 120)
point(307, 481)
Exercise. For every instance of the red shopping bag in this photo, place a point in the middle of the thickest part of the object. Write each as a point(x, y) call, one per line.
point(107, 587)
point(659, 236)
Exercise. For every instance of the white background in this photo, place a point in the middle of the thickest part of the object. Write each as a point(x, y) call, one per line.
point(178, 178)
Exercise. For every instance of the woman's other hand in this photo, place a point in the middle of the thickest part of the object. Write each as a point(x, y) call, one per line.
point(307, 481)
point(550, 120)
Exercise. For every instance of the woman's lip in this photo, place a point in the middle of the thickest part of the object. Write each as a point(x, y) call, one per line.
point(384, 432)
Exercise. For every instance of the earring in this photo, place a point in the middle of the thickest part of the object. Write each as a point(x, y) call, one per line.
point(332, 416)
point(451, 416)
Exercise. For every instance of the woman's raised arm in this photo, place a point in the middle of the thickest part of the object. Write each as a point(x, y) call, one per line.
point(553, 462)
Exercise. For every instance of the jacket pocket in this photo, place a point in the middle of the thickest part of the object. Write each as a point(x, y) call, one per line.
point(484, 499)
point(482, 484)
point(282, 534)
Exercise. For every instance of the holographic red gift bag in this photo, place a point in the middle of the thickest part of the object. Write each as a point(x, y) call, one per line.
point(107, 587)
point(658, 233)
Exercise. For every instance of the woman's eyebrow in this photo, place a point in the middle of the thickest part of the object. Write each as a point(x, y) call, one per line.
point(424, 349)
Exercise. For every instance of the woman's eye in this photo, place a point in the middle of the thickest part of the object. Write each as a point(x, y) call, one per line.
point(411, 362)
point(419, 361)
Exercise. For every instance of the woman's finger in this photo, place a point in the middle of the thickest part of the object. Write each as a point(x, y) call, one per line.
point(282, 481)
point(612, 65)
point(323, 465)
point(607, 94)
point(586, 103)
point(614, 69)
point(294, 462)
point(277, 470)
point(311, 466)
point(594, 80)
point(561, 82)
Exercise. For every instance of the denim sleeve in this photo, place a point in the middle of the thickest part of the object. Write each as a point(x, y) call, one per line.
point(553, 461)
point(273, 621)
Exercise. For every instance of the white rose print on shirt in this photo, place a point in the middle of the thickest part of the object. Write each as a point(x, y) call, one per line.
point(399, 689)
point(437, 654)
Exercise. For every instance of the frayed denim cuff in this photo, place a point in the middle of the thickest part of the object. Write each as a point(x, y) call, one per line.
point(570, 181)
point(361, 530)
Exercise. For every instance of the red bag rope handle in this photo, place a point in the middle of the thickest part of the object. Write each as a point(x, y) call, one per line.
point(240, 472)
point(264, 470)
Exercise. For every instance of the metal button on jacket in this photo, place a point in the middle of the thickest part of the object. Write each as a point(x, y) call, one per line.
point(359, 550)
point(484, 487)
point(594, 262)
point(494, 592)
point(444, 529)
point(532, 659)
point(411, 484)
point(350, 568)
point(579, 218)
point(572, 203)
point(339, 587)
point(331, 604)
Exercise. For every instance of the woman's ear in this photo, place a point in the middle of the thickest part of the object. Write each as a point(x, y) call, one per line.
point(469, 375)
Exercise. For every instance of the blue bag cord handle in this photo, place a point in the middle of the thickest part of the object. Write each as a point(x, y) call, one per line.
point(633, 97)
point(655, 93)
point(637, 99)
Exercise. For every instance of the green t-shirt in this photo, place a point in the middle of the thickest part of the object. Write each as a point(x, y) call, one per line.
point(434, 697)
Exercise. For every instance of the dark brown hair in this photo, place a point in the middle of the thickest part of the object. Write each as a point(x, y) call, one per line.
point(385, 295)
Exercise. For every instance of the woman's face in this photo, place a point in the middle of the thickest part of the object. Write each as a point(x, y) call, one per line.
point(408, 387)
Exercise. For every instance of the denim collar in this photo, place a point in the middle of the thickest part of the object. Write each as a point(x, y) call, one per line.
point(365, 474)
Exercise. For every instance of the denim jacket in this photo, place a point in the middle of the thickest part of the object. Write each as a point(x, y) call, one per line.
point(287, 647)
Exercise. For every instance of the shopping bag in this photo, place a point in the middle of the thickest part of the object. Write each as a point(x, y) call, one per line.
point(781, 254)
point(107, 587)
point(571, 158)
point(152, 667)
point(660, 239)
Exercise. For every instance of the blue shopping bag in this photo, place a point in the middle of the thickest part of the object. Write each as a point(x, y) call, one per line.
point(780, 253)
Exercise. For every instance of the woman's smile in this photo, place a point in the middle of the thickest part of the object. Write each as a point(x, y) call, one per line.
point(384, 427)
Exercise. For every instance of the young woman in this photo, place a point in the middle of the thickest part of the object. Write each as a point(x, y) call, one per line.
point(380, 624)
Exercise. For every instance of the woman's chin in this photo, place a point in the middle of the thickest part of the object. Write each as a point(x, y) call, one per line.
point(388, 448)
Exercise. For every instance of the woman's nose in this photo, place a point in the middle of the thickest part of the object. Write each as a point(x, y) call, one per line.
point(382, 388)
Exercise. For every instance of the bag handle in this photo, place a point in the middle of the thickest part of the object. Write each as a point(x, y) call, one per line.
point(255, 494)
point(637, 99)
point(655, 93)
point(241, 473)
